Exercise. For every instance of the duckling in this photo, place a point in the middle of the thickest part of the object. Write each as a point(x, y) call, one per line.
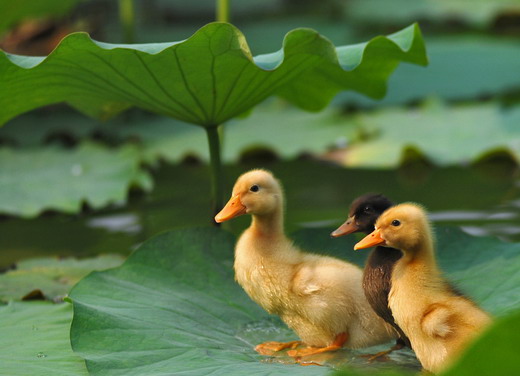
point(439, 321)
point(319, 297)
point(363, 214)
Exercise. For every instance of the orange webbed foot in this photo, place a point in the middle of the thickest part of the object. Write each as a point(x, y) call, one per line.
point(338, 343)
point(269, 348)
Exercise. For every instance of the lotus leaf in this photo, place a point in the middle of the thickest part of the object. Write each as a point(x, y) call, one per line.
point(206, 79)
point(479, 13)
point(52, 276)
point(34, 180)
point(444, 135)
point(454, 72)
point(173, 306)
point(34, 340)
point(441, 133)
point(301, 133)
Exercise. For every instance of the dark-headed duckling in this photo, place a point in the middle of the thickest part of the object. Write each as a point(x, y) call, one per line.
point(364, 212)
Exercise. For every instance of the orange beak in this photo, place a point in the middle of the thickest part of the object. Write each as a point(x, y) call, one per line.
point(346, 228)
point(372, 239)
point(233, 209)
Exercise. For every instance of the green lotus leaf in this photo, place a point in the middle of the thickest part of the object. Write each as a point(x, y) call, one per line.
point(173, 306)
point(479, 13)
point(206, 79)
point(34, 340)
point(40, 127)
point(34, 180)
point(361, 68)
point(454, 72)
point(444, 135)
point(364, 372)
point(302, 133)
point(52, 276)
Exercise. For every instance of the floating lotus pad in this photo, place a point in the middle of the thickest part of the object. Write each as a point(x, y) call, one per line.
point(39, 179)
point(34, 340)
point(54, 277)
point(173, 306)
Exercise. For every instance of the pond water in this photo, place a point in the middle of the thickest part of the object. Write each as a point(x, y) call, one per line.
point(484, 200)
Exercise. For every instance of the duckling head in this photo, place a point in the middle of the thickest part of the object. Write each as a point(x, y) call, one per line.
point(403, 227)
point(364, 212)
point(256, 192)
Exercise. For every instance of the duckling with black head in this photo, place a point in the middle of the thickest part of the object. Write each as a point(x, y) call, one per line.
point(363, 214)
point(439, 321)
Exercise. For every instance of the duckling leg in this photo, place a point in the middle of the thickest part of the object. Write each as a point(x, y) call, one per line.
point(399, 344)
point(338, 343)
point(268, 348)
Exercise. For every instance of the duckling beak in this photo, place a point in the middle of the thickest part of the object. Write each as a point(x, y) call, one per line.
point(372, 239)
point(346, 228)
point(233, 209)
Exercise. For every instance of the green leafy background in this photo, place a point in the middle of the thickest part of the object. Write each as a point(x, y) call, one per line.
point(14, 12)
point(444, 135)
point(479, 13)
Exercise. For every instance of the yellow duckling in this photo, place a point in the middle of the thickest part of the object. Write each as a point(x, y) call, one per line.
point(319, 297)
point(439, 321)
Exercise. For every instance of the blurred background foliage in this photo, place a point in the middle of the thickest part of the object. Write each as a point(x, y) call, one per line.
point(446, 135)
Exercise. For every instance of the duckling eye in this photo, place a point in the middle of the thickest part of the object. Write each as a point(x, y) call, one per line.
point(254, 188)
point(367, 209)
point(396, 222)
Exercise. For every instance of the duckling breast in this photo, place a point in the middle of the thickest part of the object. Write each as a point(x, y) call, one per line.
point(263, 275)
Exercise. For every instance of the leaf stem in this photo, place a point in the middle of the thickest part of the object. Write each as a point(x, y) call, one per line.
point(222, 11)
point(217, 177)
point(215, 134)
point(127, 19)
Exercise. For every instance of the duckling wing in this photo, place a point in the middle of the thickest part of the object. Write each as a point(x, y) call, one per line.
point(327, 287)
point(437, 321)
point(320, 274)
point(306, 280)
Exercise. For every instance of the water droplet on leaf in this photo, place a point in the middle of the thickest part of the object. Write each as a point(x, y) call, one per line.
point(76, 170)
